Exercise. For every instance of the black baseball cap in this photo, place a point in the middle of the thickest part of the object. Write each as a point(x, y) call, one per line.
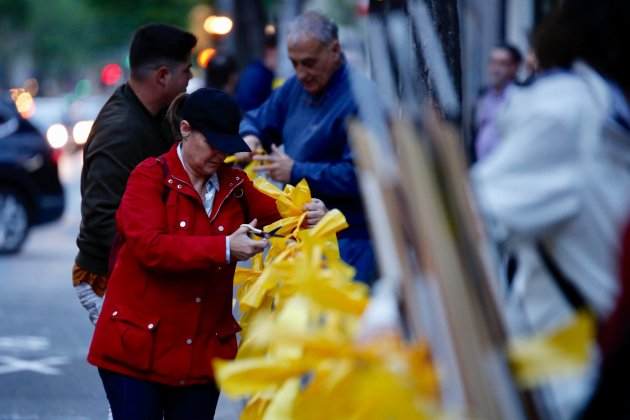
point(217, 116)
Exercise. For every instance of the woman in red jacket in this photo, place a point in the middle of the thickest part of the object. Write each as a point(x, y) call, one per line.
point(168, 310)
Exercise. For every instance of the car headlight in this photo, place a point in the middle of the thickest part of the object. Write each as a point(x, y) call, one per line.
point(81, 131)
point(57, 136)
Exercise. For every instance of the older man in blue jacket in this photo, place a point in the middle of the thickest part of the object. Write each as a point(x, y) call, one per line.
point(308, 115)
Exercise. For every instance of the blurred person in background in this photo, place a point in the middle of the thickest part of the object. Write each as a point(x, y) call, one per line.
point(128, 129)
point(168, 309)
point(256, 81)
point(222, 73)
point(555, 191)
point(503, 66)
point(307, 115)
point(532, 68)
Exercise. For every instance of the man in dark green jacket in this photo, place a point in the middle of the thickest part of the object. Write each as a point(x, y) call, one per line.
point(129, 129)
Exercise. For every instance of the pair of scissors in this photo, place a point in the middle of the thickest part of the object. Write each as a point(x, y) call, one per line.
point(259, 232)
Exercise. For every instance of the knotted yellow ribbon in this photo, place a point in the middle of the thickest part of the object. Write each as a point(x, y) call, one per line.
point(301, 310)
point(290, 203)
point(305, 268)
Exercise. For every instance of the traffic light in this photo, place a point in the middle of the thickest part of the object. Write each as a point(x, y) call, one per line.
point(111, 74)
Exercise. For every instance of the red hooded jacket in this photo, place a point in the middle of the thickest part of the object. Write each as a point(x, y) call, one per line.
point(168, 308)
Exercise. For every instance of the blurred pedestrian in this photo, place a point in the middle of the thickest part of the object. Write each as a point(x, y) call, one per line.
point(222, 73)
point(308, 115)
point(503, 67)
point(127, 130)
point(256, 81)
point(555, 192)
point(168, 308)
point(532, 68)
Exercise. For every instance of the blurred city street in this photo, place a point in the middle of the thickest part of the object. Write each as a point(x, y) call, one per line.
point(325, 209)
point(45, 333)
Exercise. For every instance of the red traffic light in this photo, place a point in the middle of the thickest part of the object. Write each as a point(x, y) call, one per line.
point(111, 74)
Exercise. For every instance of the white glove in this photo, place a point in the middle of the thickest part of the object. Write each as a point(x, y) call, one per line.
point(89, 300)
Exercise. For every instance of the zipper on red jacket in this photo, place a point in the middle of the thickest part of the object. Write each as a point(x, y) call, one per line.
point(225, 197)
point(231, 190)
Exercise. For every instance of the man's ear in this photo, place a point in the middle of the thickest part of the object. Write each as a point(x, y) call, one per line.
point(161, 75)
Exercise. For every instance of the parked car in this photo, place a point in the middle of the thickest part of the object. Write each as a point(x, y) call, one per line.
point(30, 190)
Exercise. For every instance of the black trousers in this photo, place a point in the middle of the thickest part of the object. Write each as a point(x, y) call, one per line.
point(132, 399)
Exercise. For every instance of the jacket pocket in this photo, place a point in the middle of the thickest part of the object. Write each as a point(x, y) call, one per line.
point(228, 328)
point(135, 342)
point(226, 344)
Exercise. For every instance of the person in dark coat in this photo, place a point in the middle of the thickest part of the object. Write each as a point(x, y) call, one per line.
point(168, 309)
point(256, 80)
point(127, 130)
point(222, 73)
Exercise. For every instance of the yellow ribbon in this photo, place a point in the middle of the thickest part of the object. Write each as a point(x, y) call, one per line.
point(281, 406)
point(266, 282)
point(562, 352)
point(230, 159)
point(248, 376)
point(291, 200)
point(256, 406)
point(307, 264)
point(250, 168)
point(300, 313)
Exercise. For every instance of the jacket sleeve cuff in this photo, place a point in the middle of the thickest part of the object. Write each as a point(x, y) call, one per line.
point(298, 172)
point(246, 128)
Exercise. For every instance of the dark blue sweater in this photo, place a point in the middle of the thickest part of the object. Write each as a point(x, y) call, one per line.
point(313, 131)
point(254, 86)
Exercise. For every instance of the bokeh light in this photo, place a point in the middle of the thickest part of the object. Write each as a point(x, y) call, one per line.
point(270, 29)
point(25, 104)
point(81, 131)
point(205, 56)
point(57, 136)
point(111, 74)
point(218, 25)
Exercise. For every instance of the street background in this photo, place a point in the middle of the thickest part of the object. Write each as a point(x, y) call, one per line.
point(44, 331)
point(59, 65)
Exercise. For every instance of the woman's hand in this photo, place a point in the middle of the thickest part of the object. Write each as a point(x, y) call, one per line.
point(315, 210)
point(242, 247)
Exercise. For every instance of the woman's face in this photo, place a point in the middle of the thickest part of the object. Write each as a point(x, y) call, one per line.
point(198, 155)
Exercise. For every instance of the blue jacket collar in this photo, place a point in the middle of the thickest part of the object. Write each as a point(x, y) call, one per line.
point(336, 80)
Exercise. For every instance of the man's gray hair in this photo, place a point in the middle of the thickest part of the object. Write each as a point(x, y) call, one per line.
point(313, 24)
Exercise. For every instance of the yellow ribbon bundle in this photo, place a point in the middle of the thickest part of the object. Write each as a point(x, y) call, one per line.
point(300, 313)
point(312, 368)
point(301, 265)
point(290, 203)
point(299, 358)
